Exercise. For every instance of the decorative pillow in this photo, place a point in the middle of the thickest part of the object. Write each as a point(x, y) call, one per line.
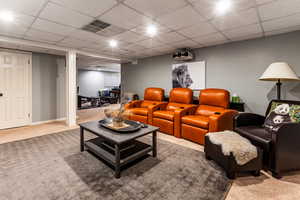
point(281, 113)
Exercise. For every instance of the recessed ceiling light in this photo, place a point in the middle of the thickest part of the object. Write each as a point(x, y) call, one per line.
point(113, 43)
point(7, 16)
point(223, 6)
point(151, 30)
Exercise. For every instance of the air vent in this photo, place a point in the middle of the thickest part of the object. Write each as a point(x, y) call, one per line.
point(96, 26)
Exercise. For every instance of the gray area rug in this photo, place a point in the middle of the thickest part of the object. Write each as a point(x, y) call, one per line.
point(52, 167)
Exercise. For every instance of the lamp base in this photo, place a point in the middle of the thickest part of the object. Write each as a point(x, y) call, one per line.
point(278, 84)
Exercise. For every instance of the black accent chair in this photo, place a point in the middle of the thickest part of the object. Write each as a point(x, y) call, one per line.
point(281, 149)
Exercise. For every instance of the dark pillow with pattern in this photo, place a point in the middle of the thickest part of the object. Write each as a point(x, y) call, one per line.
point(281, 113)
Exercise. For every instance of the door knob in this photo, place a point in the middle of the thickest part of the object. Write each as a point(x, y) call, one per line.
point(1, 94)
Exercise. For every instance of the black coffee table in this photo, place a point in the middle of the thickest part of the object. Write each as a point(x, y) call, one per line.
point(118, 149)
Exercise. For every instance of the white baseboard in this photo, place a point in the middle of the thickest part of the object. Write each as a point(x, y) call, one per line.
point(48, 121)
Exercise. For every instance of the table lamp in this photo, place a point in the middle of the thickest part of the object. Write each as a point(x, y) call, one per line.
point(279, 71)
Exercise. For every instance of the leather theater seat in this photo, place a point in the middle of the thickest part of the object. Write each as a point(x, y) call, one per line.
point(212, 115)
point(141, 110)
point(168, 116)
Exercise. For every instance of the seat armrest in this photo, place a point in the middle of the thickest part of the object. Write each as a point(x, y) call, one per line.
point(248, 119)
point(288, 130)
point(286, 147)
point(221, 121)
point(158, 106)
point(133, 104)
point(178, 113)
point(152, 108)
point(188, 110)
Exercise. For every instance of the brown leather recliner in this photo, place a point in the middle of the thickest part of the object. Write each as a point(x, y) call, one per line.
point(141, 110)
point(168, 115)
point(281, 148)
point(211, 115)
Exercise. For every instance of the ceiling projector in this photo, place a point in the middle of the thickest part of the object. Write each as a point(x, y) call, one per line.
point(183, 54)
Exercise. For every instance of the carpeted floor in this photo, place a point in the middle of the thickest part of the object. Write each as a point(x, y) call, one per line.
point(52, 167)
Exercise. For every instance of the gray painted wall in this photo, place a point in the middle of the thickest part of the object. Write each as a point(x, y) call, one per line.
point(44, 73)
point(233, 66)
point(90, 82)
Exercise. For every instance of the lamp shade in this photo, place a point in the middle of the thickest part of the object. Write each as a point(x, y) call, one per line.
point(279, 71)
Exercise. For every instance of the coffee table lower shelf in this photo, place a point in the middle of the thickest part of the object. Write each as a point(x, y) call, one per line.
point(118, 155)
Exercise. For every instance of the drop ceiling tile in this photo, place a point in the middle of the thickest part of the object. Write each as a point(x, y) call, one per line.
point(142, 30)
point(170, 37)
point(37, 35)
point(243, 31)
point(118, 50)
point(164, 48)
point(155, 8)
point(216, 43)
point(65, 16)
point(93, 8)
point(21, 23)
point(152, 52)
point(280, 31)
point(136, 47)
point(210, 39)
point(92, 50)
point(167, 52)
point(129, 52)
point(282, 23)
point(198, 46)
point(259, 2)
point(107, 53)
point(247, 37)
point(85, 35)
point(123, 17)
point(279, 9)
point(150, 43)
point(130, 36)
point(12, 30)
point(138, 55)
point(185, 44)
point(207, 7)
point(98, 47)
point(23, 20)
point(52, 27)
point(111, 31)
point(235, 20)
point(38, 40)
point(111, 53)
point(201, 28)
point(74, 43)
point(18, 27)
point(29, 7)
point(180, 18)
point(121, 46)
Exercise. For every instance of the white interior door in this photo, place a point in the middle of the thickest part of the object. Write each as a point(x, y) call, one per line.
point(15, 89)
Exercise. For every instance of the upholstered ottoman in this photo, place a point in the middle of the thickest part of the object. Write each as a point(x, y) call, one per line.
point(233, 153)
